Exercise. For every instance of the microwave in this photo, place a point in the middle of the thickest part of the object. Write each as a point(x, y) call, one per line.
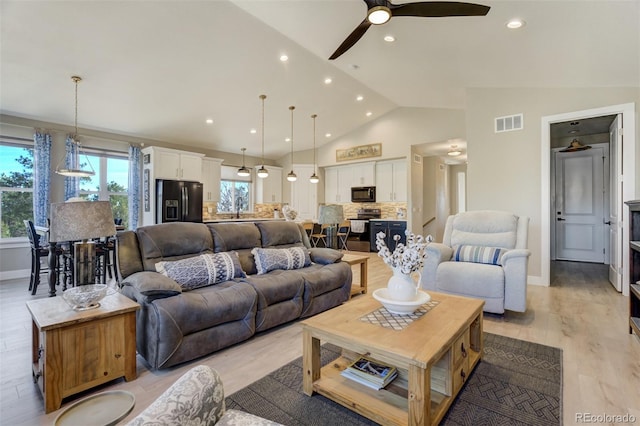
point(363, 194)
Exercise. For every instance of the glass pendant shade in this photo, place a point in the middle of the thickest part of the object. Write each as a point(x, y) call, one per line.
point(314, 177)
point(262, 171)
point(73, 169)
point(292, 177)
point(243, 171)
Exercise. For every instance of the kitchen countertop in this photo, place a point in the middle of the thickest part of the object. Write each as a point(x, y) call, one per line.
point(252, 219)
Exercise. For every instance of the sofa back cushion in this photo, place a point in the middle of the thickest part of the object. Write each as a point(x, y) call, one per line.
point(172, 241)
point(281, 234)
point(129, 260)
point(239, 237)
point(482, 228)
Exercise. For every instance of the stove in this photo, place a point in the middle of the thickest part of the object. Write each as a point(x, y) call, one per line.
point(359, 234)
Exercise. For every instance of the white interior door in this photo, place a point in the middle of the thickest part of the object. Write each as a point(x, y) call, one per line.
point(579, 212)
point(615, 204)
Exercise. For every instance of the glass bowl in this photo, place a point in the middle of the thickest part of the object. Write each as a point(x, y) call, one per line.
point(85, 297)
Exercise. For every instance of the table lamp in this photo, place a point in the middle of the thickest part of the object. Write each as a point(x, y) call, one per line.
point(331, 214)
point(79, 222)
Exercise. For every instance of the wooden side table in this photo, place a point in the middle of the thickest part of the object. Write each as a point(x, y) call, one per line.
point(363, 261)
point(76, 350)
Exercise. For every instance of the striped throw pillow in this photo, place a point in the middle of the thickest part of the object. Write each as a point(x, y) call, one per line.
point(478, 254)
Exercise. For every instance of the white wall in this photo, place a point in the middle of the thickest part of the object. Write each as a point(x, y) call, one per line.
point(505, 170)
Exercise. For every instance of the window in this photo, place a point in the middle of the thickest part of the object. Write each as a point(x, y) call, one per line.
point(235, 192)
point(110, 183)
point(16, 188)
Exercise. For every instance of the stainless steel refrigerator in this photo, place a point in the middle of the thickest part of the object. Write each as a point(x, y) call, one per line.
point(178, 201)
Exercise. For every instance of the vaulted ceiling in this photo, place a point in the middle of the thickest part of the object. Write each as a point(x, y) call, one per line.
point(159, 69)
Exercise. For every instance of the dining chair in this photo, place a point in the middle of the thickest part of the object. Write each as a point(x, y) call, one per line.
point(320, 235)
point(343, 234)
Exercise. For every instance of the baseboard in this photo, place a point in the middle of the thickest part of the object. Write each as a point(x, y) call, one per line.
point(15, 274)
point(536, 280)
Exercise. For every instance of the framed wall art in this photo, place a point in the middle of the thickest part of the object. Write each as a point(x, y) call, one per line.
point(357, 152)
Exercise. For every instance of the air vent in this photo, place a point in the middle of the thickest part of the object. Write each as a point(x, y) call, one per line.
point(509, 123)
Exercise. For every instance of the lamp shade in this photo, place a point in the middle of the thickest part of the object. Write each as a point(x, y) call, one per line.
point(81, 220)
point(331, 213)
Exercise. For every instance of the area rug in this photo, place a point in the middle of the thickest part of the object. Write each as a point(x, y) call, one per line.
point(516, 383)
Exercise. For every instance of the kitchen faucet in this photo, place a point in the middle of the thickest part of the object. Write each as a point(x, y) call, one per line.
point(238, 207)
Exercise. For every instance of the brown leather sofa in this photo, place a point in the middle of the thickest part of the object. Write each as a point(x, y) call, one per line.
point(176, 325)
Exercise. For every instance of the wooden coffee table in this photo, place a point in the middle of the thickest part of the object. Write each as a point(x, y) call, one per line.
point(434, 355)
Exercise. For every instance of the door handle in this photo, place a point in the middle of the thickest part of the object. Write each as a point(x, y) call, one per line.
point(560, 219)
point(608, 223)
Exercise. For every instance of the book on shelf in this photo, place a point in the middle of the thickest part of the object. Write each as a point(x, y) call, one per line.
point(371, 373)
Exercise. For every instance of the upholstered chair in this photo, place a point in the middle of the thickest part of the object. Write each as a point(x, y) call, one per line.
point(483, 254)
point(196, 398)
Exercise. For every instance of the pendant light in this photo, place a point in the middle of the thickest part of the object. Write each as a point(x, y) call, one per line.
point(291, 177)
point(75, 170)
point(262, 171)
point(243, 171)
point(314, 177)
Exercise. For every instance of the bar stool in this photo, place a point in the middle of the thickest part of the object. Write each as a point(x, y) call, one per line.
point(37, 252)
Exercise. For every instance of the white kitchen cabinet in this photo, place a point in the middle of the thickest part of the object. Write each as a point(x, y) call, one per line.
point(391, 181)
point(304, 194)
point(340, 179)
point(211, 179)
point(363, 174)
point(174, 164)
point(269, 189)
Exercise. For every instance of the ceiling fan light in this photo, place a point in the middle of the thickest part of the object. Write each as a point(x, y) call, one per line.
point(379, 15)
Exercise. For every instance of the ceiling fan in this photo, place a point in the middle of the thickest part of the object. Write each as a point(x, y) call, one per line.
point(380, 11)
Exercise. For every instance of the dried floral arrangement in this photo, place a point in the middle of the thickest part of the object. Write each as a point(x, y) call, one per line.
point(405, 258)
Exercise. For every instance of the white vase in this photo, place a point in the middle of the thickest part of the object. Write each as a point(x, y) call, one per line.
point(401, 287)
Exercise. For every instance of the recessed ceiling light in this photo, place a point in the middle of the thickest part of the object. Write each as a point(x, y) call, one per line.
point(253, 131)
point(515, 23)
point(284, 58)
point(287, 139)
point(359, 98)
point(209, 121)
point(327, 80)
point(369, 114)
point(389, 38)
point(327, 135)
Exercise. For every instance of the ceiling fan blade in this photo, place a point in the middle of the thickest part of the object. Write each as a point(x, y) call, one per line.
point(352, 39)
point(435, 9)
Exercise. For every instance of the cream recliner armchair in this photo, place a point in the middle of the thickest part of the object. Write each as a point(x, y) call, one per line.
point(483, 254)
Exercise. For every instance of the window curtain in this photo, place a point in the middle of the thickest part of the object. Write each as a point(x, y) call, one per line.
point(71, 184)
point(134, 186)
point(41, 177)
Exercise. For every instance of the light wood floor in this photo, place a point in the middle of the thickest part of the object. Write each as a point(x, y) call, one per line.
point(580, 313)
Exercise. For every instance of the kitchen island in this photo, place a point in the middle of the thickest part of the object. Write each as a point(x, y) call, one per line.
point(245, 219)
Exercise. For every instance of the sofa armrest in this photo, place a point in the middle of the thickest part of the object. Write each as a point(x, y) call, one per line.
point(195, 398)
point(325, 256)
point(435, 254)
point(151, 285)
point(515, 264)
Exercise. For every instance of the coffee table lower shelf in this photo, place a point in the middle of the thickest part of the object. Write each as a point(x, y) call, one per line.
point(384, 406)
